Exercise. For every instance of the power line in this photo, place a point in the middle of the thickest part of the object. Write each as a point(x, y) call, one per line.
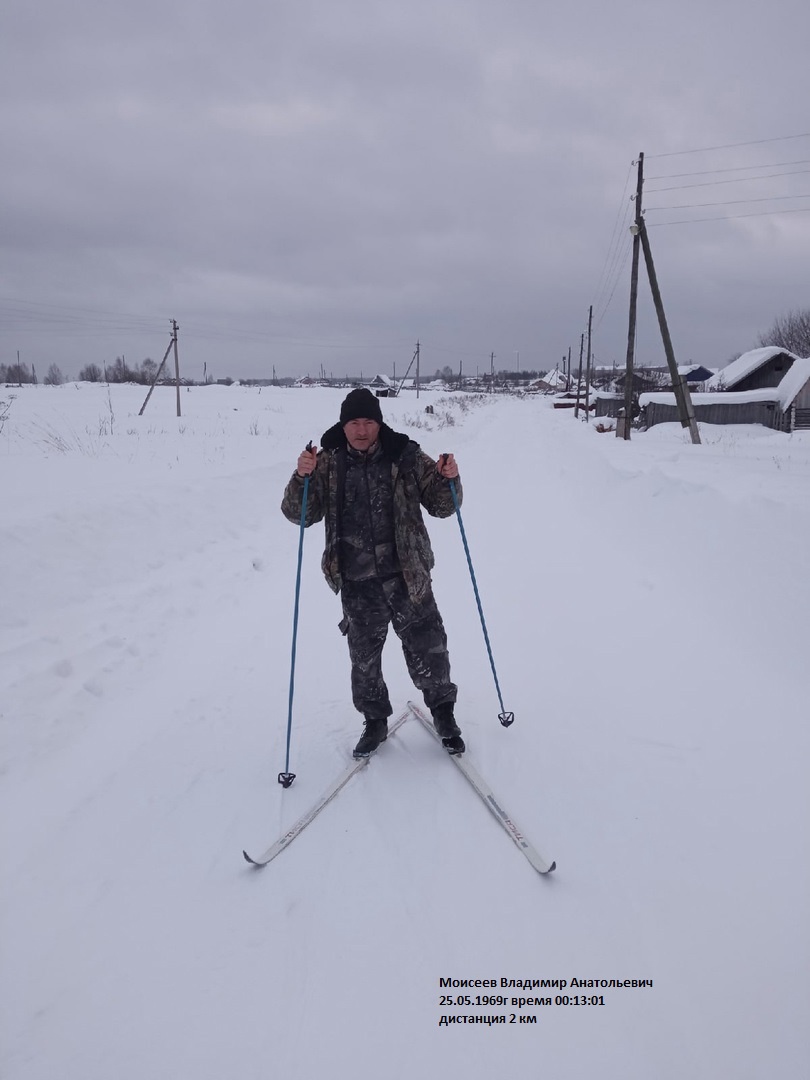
point(727, 217)
point(619, 272)
point(617, 264)
point(731, 146)
point(74, 311)
point(30, 315)
point(618, 251)
point(726, 202)
point(737, 168)
point(615, 239)
point(738, 180)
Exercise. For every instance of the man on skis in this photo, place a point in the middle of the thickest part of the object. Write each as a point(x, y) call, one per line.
point(369, 483)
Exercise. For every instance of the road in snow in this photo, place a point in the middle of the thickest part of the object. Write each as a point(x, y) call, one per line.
point(649, 610)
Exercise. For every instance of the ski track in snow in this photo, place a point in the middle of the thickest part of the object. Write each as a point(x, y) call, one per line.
point(649, 610)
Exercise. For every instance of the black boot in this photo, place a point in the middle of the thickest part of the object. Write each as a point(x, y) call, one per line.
point(448, 730)
point(374, 732)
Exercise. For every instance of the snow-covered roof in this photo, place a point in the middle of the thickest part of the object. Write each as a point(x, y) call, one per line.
point(554, 378)
point(740, 397)
point(793, 381)
point(696, 371)
point(783, 394)
point(737, 370)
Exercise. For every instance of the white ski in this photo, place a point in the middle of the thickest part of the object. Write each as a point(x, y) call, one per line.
point(487, 796)
point(295, 830)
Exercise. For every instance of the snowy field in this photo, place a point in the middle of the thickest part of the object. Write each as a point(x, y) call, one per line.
point(649, 610)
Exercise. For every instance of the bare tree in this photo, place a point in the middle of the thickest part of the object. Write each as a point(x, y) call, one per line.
point(119, 372)
point(791, 332)
point(147, 371)
point(54, 376)
point(19, 374)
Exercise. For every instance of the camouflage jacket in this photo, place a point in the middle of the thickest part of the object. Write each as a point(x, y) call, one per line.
point(415, 484)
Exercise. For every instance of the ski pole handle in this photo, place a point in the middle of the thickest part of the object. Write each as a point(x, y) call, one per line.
point(305, 465)
point(442, 464)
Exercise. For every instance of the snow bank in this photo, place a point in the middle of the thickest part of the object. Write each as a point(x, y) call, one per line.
point(148, 580)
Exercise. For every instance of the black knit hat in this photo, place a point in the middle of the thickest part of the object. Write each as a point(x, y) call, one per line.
point(360, 405)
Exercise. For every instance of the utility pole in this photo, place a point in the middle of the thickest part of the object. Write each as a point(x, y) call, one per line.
point(631, 330)
point(683, 397)
point(588, 368)
point(414, 360)
point(492, 373)
point(176, 363)
point(579, 374)
point(172, 342)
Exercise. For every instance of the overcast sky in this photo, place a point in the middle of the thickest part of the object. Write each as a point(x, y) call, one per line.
point(303, 183)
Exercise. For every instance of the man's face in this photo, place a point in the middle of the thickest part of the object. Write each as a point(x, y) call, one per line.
point(361, 434)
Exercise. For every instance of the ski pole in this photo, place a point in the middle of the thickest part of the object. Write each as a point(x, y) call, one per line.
point(506, 718)
point(286, 778)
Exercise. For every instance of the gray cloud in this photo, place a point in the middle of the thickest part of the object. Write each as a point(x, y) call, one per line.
point(311, 183)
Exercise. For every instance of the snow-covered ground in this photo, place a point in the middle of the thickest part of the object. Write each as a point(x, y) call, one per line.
point(649, 610)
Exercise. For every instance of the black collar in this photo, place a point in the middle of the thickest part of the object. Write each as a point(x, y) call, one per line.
point(393, 443)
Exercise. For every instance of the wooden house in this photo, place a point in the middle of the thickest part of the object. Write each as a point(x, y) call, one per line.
point(695, 375)
point(551, 382)
point(383, 386)
point(754, 370)
point(784, 406)
point(645, 380)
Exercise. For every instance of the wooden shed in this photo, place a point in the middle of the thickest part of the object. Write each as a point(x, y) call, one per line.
point(785, 407)
point(754, 370)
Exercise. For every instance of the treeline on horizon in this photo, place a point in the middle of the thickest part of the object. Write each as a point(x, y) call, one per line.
point(790, 331)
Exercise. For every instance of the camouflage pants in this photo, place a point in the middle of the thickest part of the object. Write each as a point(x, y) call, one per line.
point(368, 609)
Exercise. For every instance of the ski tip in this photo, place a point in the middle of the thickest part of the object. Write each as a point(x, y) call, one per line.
point(251, 861)
point(552, 867)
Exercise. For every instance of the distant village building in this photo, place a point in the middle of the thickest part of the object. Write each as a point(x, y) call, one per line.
point(643, 379)
point(696, 375)
point(610, 392)
point(754, 370)
point(383, 386)
point(549, 383)
point(764, 386)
